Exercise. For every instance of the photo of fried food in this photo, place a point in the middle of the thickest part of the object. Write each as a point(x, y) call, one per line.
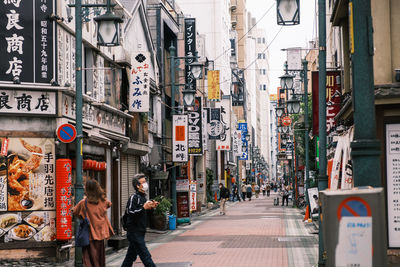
point(20, 181)
point(36, 220)
point(46, 234)
point(23, 231)
point(8, 220)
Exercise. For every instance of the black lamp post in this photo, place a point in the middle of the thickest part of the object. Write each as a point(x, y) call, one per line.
point(293, 105)
point(288, 12)
point(108, 28)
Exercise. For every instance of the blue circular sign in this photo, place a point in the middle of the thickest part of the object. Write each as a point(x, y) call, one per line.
point(66, 133)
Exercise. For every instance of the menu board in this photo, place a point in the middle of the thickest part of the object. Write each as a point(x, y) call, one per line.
point(27, 189)
point(393, 183)
point(183, 204)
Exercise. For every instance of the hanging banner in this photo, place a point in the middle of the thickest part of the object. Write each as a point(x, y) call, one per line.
point(27, 190)
point(242, 127)
point(204, 130)
point(64, 199)
point(393, 183)
point(190, 52)
point(333, 96)
point(180, 138)
point(237, 143)
point(139, 84)
point(214, 124)
point(214, 92)
point(27, 41)
point(193, 196)
point(195, 144)
point(336, 166)
point(224, 143)
point(347, 168)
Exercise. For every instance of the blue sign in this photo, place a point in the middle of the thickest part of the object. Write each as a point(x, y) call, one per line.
point(66, 133)
point(242, 126)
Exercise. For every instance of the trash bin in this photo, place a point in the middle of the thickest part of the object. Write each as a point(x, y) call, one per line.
point(172, 222)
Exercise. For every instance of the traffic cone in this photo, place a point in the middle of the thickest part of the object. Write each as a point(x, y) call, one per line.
point(307, 215)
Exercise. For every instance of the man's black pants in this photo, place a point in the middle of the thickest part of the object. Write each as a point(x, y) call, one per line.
point(137, 246)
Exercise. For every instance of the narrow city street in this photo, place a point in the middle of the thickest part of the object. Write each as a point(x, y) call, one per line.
point(252, 233)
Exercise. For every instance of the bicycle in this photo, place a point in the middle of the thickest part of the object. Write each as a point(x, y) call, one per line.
point(300, 202)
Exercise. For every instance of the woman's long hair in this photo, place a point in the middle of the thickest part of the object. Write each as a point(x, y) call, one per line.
point(94, 192)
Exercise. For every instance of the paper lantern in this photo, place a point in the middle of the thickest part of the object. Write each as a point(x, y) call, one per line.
point(63, 199)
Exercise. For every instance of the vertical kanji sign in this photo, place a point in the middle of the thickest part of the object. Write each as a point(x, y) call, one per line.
point(214, 92)
point(180, 138)
point(195, 144)
point(139, 84)
point(224, 143)
point(26, 36)
point(190, 52)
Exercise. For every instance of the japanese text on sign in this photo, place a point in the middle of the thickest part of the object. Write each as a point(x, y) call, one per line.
point(195, 143)
point(179, 138)
point(190, 49)
point(27, 102)
point(139, 87)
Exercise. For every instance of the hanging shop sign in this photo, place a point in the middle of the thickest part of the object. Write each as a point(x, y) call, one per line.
point(214, 124)
point(64, 199)
point(204, 130)
point(393, 183)
point(94, 116)
point(27, 191)
point(180, 138)
point(333, 96)
point(286, 121)
point(237, 143)
point(139, 84)
point(193, 196)
point(195, 143)
point(66, 59)
point(27, 102)
point(190, 52)
point(242, 127)
point(224, 143)
point(26, 36)
point(214, 91)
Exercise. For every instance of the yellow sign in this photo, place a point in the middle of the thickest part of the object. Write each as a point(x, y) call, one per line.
point(213, 85)
point(351, 28)
point(273, 97)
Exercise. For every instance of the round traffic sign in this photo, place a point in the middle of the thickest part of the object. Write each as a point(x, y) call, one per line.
point(353, 206)
point(66, 133)
point(286, 121)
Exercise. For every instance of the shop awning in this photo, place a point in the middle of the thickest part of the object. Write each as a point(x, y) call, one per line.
point(115, 136)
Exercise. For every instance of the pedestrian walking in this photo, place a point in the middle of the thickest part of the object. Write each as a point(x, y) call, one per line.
point(249, 191)
point(223, 196)
point(268, 189)
point(257, 190)
point(137, 208)
point(236, 193)
point(263, 189)
point(94, 207)
point(243, 189)
point(285, 194)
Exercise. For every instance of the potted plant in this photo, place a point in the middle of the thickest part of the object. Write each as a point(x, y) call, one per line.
point(159, 217)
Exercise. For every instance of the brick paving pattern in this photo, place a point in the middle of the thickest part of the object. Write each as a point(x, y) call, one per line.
point(251, 234)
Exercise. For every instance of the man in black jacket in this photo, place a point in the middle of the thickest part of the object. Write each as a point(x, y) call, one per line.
point(136, 223)
point(223, 196)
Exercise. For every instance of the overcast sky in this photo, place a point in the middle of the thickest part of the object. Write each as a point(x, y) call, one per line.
point(289, 36)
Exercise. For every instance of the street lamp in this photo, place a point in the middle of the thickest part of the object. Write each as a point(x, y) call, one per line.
point(287, 81)
point(288, 12)
point(108, 36)
point(279, 111)
point(293, 105)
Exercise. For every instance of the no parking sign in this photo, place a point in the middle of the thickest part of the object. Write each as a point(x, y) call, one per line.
point(66, 133)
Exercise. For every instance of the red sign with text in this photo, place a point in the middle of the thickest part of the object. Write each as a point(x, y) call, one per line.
point(333, 99)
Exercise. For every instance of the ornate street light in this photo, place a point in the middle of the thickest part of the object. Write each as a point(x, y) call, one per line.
point(293, 105)
point(108, 28)
point(279, 110)
point(287, 81)
point(196, 69)
point(247, 137)
point(288, 12)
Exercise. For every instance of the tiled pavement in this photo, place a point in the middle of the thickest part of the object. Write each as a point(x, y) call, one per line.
point(251, 234)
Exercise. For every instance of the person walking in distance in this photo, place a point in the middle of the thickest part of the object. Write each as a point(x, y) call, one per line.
point(223, 196)
point(94, 206)
point(268, 188)
point(249, 191)
point(285, 194)
point(243, 190)
point(137, 207)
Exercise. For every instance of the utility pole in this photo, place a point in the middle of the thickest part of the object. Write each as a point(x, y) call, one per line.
point(172, 51)
point(322, 177)
point(306, 143)
point(365, 148)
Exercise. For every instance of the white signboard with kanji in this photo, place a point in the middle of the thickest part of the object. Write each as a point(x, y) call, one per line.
point(180, 138)
point(27, 102)
point(139, 84)
point(224, 143)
